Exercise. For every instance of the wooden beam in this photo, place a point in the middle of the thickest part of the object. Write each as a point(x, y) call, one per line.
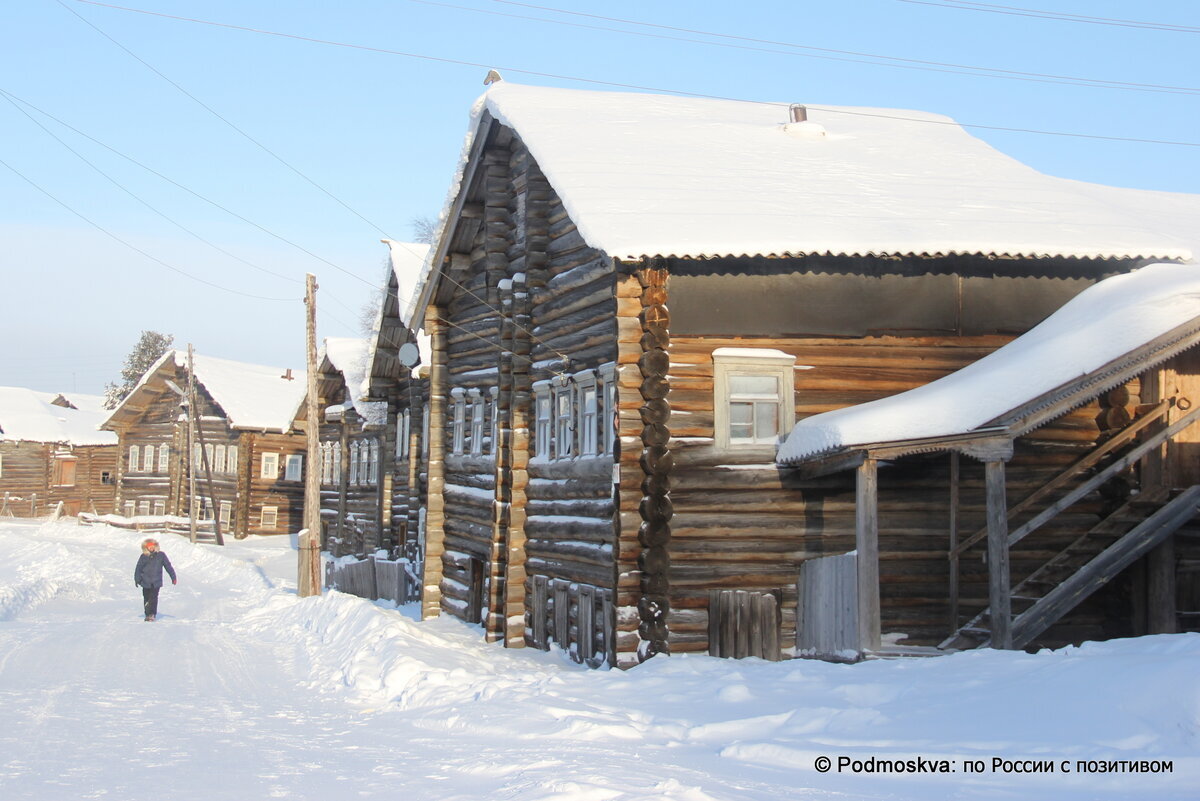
point(1161, 617)
point(999, 591)
point(954, 500)
point(866, 537)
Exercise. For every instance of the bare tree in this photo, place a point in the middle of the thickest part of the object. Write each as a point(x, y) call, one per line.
point(425, 230)
point(149, 349)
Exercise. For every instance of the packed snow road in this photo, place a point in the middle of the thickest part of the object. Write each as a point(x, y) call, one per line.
point(243, 691)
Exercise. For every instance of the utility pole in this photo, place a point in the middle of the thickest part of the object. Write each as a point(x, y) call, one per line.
point(309, 582)
point(191, 460)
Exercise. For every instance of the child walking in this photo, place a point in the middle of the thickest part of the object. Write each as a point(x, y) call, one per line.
point(148, 575)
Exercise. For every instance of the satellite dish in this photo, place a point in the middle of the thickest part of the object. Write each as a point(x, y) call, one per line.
point(409, 355)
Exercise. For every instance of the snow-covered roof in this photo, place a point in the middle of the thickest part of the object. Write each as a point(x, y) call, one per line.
point(253, 396)
point(408, 262)
point(1100, 325)
point(32, 417)
point(350, 358)
point(656, 175)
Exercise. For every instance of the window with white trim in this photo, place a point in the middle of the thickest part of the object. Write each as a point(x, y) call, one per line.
point(164, 458)
point(209, 456)
point(134, 450)
point(295, 467)
point(196, 456)
point(326, 462)
point(231, 459)
point(754, 400)
point(608, 406)
point(160, 508)
point(403, 434)
point(373, 462)
point(354, 462)
point(542, 409)
point(494, 420)
point(269, 517)
point(269, 466)
point(425, 431)
point(589, 412)
point(564, 420)
point(208, 509)
point(219, 459)
point(478, 412)
point(143, 508)
point(337, 463)
point(130, 508)
point(225, 513)
point(458, 420)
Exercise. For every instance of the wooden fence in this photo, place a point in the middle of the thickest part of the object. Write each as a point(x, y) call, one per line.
point(153, 524)
point(376, 579)
point(827, 611)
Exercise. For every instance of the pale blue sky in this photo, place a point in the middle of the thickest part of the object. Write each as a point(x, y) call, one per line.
point(382, 132)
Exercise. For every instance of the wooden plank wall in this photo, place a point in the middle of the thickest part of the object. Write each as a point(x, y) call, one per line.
point(741, 523)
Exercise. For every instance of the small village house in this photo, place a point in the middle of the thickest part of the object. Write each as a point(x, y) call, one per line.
point(247, 456)
point(52, 452)
point(633, 299)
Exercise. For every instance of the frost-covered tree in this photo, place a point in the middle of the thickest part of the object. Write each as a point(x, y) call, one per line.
point(145, 353)
point(425, 229)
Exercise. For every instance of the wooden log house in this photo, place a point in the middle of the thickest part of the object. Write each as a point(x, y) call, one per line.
point(633, 297)
point(52, 452)
point(247, 454)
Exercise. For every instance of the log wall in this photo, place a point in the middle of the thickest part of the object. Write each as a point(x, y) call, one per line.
point(28, 488)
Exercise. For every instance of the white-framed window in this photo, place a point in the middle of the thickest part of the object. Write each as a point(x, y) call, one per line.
point(269, 517)
point(160, 508)
point(208, 509)
point(134, 450)
point(269, 467)
point(326, 462)
point(543, 410)
point(196, 456)
point(231, 459)
point(478, 414)
point(143, 508)
point(164, 458)
point(588, 400)
point(295, 467)
point(219, 459)
point(337, 463)
point(564, 420)
point(130, 508)
point(210, 456)
point(754, 401)
point(458, 403)
point(425, 431)
point(494, 420)
point(608, 406)
point(354, 447)
point(225, 512)
point(373, 462)
point(403, 434)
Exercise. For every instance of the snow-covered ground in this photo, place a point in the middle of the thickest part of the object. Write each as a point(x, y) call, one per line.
point(244, 691)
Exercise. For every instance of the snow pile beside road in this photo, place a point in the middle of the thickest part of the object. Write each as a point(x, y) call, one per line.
point(256, 693)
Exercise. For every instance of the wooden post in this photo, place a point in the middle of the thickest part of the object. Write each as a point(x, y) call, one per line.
point(212, 495)
point(309, 579)
point(1161, 615)
point(953, 577)
point(191, 446)
point(866, 539)
point(999, 594)
point(435, 515)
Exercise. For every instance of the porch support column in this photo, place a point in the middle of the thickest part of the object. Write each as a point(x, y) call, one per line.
point(1161, 617)
point(435, 504)
point(999, 591)
point(866, 538)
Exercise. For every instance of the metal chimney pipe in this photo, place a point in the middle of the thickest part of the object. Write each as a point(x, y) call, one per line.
point(799, 112)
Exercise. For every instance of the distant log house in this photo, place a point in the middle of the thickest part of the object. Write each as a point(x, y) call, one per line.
point(247, 455)
point(633, 298)
point(52, 452)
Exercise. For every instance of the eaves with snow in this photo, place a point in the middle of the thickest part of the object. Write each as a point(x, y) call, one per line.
point(1123, 324)
point(253, 397)
point(656, 175)
point(349, 357)
point(29, 416)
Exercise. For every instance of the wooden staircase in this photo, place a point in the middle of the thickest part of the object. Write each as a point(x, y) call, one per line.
point(1085, 566)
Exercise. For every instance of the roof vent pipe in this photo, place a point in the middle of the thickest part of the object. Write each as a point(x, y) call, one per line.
point(799, 112)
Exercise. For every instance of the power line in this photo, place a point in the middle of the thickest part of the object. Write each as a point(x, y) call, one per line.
point(223, 119)
point(1017, 11)
point(890, 61)
point(192, 192)
point(612, 84)
point(130, 245)
point(138, 198)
